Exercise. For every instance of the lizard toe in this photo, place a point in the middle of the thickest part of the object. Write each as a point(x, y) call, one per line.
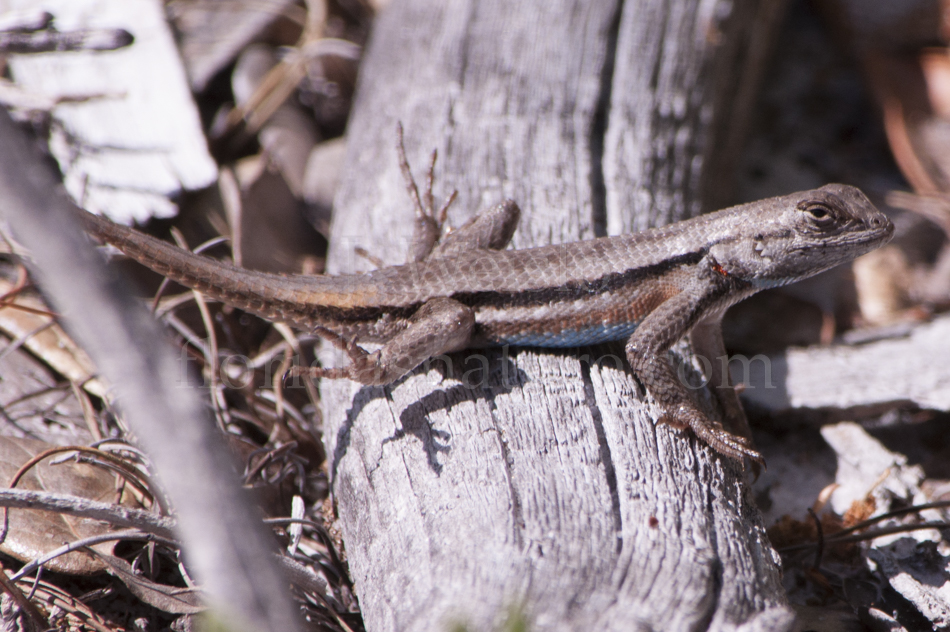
point(716, 437)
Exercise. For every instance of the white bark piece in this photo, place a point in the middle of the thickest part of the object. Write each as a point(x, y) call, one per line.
point(321, 181)
point(866, 467)
point(907, 370)
point(137, 140)
point(919, 572)
point(879, 621)
point(915, 563)
point(800, 467)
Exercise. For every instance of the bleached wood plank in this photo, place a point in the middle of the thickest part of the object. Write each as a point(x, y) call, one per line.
point(137, 141)
point(910, 369)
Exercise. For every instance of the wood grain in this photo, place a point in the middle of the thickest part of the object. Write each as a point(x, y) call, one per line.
point(542, 485)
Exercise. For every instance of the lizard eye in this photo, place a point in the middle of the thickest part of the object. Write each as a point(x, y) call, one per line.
point(819, 213)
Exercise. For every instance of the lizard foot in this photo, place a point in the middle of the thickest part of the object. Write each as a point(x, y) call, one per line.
point(429, 221)
point(714, 435)
point(364, 366)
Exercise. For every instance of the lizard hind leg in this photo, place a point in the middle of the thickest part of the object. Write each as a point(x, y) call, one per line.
point(427, 226)
point(720, 439)
point(440, 326)
point(490, 230)
point(712, 433)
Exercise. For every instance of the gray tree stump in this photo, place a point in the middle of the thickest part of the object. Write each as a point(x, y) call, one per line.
point(528, 481)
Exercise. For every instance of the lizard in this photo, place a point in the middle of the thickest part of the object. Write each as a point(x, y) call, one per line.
point(465, 289)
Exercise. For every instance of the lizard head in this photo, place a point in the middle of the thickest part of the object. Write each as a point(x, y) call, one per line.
point(789, 238)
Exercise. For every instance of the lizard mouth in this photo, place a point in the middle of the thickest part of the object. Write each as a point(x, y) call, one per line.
point(880, 231)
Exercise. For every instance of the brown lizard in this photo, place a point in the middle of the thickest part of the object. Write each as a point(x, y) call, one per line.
point(464, 290)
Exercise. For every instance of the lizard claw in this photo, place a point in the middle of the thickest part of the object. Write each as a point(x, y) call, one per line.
point(733, 446)
point(364, 366)
point(353, 350)
point(714, 435)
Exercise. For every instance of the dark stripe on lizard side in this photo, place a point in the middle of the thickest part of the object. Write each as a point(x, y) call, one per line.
point(332, 315)
point(578, 290)
point(581, 320)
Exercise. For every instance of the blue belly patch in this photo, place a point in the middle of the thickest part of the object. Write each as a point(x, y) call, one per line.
point(572, 337)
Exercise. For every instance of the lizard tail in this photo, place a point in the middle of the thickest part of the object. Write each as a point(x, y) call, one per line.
point(302, 301)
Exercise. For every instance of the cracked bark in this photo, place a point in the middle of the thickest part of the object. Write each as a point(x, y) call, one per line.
point(540, 485)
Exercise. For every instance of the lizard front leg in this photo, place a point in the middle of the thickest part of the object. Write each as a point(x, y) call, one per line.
point(706, 340)
point(440, 326)
point(647, 351)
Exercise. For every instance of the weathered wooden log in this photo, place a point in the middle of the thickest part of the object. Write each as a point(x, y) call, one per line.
point(528, 481)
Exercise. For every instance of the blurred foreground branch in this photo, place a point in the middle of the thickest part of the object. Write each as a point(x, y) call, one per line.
point(223, 537)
